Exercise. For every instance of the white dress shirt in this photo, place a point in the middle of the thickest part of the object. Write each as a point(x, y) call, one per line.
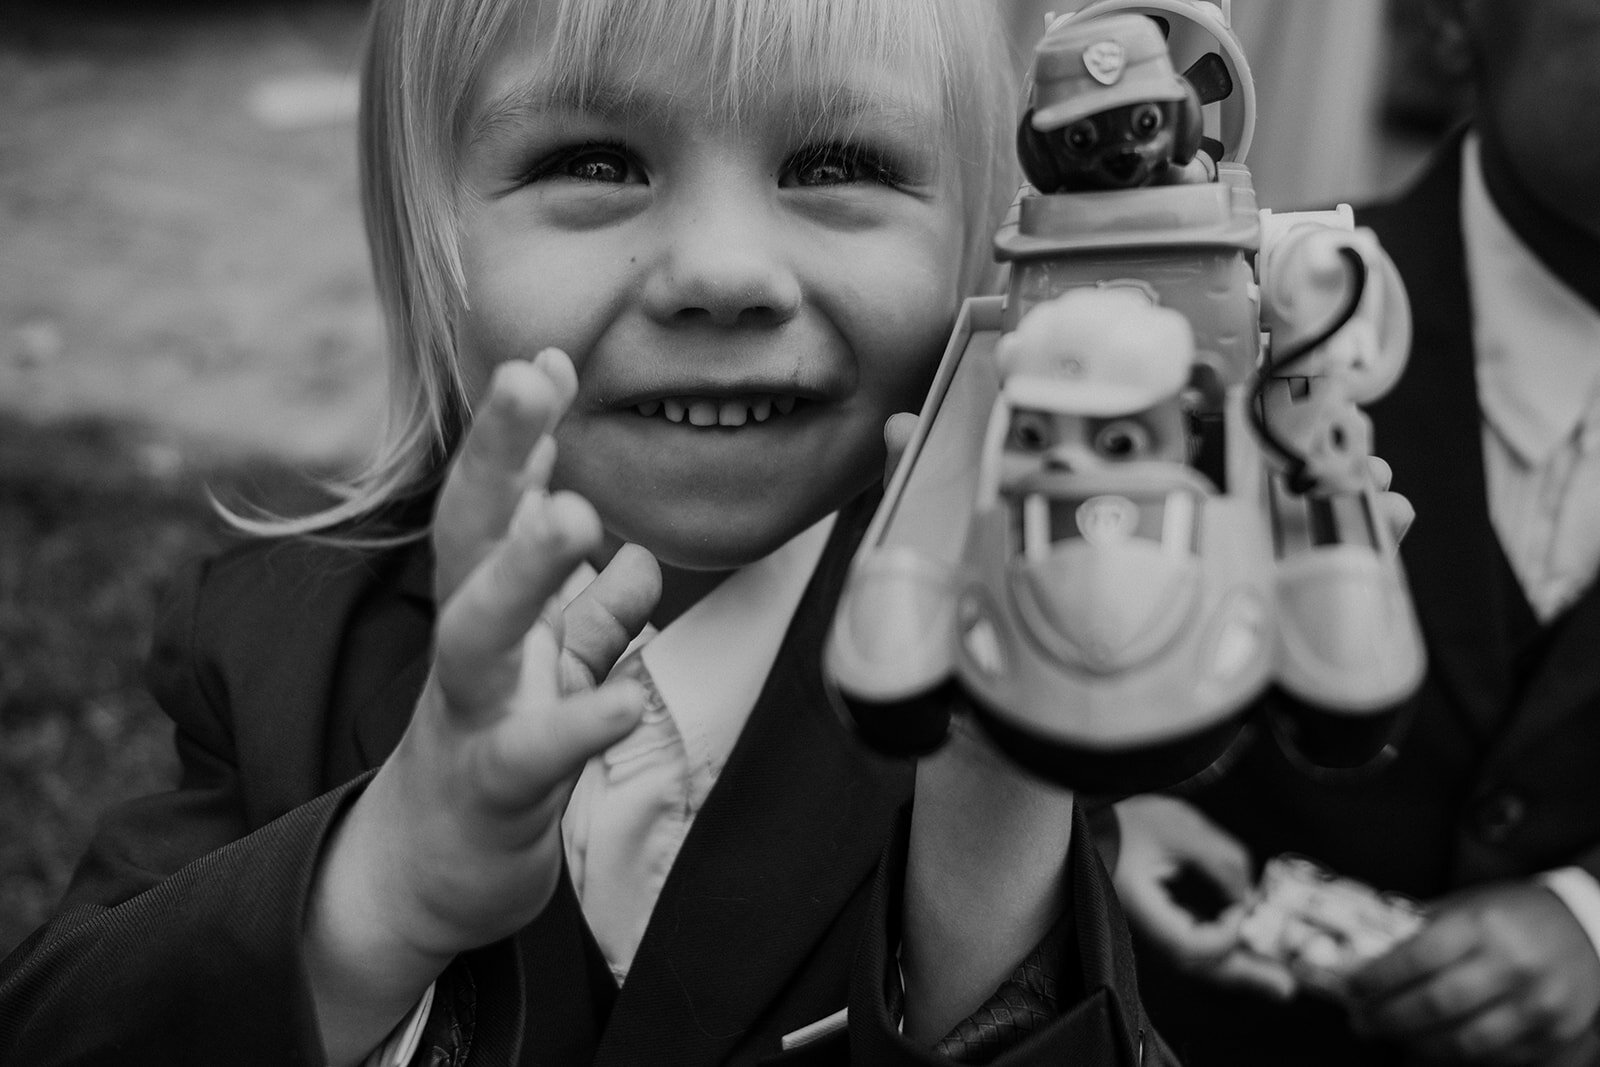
point(1538, 371)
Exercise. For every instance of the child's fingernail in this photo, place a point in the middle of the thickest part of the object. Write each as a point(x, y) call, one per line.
point(556, 366)
point(546, 361)
point(561, 522)
point(504, 394)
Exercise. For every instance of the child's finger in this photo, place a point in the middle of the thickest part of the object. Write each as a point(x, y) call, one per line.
point(897, 434)
point(606, 616)
point(506, 451)
point(541, 747)
point(481, 627)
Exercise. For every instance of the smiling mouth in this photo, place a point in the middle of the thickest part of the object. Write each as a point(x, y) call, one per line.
point(719, 411)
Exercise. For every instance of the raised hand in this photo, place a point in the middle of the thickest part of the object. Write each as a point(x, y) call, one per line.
point(456, 841)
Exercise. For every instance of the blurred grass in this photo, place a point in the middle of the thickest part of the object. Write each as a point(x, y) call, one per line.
point(96, 518)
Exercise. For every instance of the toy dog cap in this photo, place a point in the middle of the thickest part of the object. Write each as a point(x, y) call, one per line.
point(1098, 64)
point(1097, 352)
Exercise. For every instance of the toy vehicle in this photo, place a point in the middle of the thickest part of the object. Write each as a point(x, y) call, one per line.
point(1126, 512)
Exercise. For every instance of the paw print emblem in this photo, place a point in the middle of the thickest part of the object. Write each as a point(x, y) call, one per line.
point(1107, 520)
point(1105, 61)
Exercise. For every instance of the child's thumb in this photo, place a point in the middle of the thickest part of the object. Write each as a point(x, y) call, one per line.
point(543, 749)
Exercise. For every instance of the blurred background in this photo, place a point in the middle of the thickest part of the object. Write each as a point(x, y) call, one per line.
point(185, 309)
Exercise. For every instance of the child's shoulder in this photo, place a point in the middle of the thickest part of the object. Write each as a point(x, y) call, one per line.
point(287, 573)
point(273, 599)
point(270, 577)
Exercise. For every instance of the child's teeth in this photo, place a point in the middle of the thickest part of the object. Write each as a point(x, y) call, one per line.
point(707, 411)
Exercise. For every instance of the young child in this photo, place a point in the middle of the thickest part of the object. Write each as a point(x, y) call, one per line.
point(656, 274)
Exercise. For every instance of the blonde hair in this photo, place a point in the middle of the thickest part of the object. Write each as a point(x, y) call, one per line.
point(419, 83)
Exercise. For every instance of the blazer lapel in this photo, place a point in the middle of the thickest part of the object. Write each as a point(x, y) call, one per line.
point(1430, 425)
point(791, 833)
point(1566, 683)
point(1105, 953)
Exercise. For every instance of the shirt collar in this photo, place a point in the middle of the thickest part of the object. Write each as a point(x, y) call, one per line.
point(1537, 342)
point(710, 663)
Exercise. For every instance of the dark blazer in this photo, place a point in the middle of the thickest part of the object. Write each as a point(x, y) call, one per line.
point(1498, 772)
point(290, 670)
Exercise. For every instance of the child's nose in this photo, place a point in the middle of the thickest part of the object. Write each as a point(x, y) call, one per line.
point(725, 264)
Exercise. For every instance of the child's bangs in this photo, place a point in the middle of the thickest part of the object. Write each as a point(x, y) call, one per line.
point(745, 51)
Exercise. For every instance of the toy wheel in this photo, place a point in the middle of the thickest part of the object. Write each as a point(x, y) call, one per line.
point(1111, 771)
point(1319, 741)
point(913, 726)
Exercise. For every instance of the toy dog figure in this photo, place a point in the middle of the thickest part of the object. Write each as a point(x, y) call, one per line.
point(1108, 111)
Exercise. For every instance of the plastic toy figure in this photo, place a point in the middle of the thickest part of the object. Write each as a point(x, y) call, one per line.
point(1109, 111)
point(1153, 443)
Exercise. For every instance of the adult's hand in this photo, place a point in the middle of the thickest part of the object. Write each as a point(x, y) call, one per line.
point(1161, 838)
point(1502, 974)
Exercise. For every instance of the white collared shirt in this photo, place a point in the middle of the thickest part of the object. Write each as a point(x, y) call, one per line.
point(1537, 358)
point(1538, 369)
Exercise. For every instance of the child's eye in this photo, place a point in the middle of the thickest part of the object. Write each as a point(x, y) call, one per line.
point(839, 164)
point(608, 164)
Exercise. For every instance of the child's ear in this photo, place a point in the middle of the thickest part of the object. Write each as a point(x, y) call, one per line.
point(1190, 125)
point(1033, 152)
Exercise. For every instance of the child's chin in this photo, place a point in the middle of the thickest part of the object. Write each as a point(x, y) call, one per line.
point(712, 553)
point(719, 543)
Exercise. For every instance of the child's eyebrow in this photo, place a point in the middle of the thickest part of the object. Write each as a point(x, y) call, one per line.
point(822, 107)
point(833, 107)
point(530, 96)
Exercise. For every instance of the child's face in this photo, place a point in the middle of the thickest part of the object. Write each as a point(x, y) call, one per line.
point(745, 303)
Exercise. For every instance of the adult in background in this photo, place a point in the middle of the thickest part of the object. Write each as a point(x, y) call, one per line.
point(1490, 812)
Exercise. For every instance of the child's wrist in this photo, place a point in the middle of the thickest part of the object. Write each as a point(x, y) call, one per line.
point(441, 882)
point(364, 970)
point(363, 889)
